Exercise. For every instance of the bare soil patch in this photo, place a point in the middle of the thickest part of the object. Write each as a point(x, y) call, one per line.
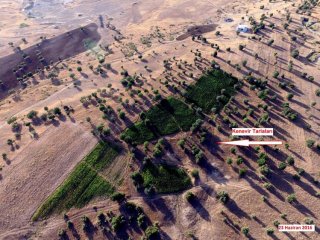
point(38, 170)
point(197, 31)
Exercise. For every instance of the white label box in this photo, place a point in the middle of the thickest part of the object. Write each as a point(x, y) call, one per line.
point(296, 228)
point(252, 131)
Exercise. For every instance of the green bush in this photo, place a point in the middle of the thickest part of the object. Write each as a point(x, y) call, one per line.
point(282, 165)
point(310, 143)
point(295, 53)
point(290, 160)
point(308, 221)
point(245, 231)
point(11, 120)
point(195, 173)
point(32, 114)
point(190, 196)
point(270, 231)
point(223, 197)
point(276, 223)
point(262, 160)
point(242, 172)
point(265, 170)
point(152, 232)
point(141, 219)
point(267, 185)
point(291, 198)
point(117, 222)
point(118, 197)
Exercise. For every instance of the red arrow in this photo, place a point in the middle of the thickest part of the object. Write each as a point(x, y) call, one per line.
point(247, 143)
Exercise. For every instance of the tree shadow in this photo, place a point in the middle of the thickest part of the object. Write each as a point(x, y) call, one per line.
point(196, 204)
point(236, 210)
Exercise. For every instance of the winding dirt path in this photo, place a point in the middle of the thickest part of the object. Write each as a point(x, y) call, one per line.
point(54, 223)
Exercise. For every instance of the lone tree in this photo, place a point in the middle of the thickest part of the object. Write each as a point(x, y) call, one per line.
point(244, 63)
point(270, 42)
point(190, 196)
point(295, 53)
point(152, 232)
point(32, 114)
point(291, 198)
point(245, 231)
point(310, 143)
point(290, 160)
point(223, 197)
point(57, 111)
point(241, 47)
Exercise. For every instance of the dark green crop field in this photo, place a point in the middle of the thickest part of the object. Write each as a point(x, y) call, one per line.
point(211, 92)
point(165, 179)
point(209, 87)
point(170, 116)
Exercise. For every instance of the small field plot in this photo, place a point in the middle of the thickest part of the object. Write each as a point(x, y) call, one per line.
point(138, 133)
point(212, 90)
point(118, 169)
point(83, 184)
point(161, 120)
point(183, 115)
point(102, 156)
point(170, 116)
point(165, 178)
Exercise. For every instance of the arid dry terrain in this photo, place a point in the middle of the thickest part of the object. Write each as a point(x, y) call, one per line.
point(111, 113)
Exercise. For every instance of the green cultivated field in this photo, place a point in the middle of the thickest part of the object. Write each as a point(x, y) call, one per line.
point(83, 184)
point(205, 92)
point(165, 179)
point(169, 116)
point(102, 156)
point(172, 115)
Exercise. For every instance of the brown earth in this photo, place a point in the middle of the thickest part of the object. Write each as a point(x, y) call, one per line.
point(67, 45)
point(197, 31)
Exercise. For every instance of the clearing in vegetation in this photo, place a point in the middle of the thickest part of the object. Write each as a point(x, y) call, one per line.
point(169, 116)
point(83, 184)
point(212, 90)
point(165, 178)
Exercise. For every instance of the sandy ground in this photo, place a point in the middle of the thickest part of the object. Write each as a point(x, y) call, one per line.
point(37, 167)
point(41, 165)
